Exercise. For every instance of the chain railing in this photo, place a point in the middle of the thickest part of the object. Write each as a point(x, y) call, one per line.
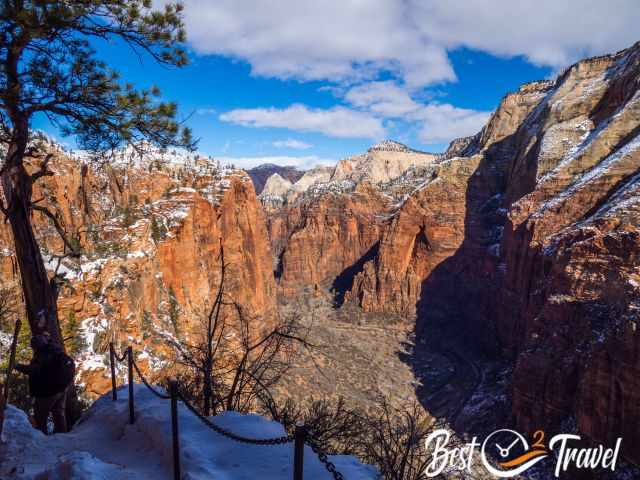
point(324, 459)
point(231, 435)
point(299, 438)
point(147, 384)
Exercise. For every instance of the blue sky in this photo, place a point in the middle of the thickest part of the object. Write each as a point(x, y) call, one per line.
point(302, 82)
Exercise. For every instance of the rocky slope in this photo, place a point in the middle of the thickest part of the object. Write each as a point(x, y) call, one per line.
point(527, 236)
point(571, 255)
point(381, 163)
point(432, 228)
point(329, 222)
point(276, 186)
point(152, 229)
point(321, 239)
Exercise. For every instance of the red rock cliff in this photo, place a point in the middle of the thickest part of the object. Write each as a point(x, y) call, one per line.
point(533, 234)
point(152, 231)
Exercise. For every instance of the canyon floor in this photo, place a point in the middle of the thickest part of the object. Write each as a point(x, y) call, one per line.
point(364, 357)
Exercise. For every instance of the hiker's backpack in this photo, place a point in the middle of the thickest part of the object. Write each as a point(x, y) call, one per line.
point(56, 375)
point(66, 370)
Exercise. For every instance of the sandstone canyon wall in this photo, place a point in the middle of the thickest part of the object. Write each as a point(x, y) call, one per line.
point(531, 233)
point(330, 222)
point(152, 230)
point(523, 238)
point(569, 301)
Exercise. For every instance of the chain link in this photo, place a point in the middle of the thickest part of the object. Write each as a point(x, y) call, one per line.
point(324, 458)
point(233, 436)
point(120, 359)
point(148, 385)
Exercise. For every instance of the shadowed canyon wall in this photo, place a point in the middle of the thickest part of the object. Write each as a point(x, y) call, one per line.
point(524, 238)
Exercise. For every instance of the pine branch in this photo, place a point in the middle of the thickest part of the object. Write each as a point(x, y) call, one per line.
point(61, 231)
point(43, 171)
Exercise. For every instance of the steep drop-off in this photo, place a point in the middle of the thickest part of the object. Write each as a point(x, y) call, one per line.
point(527, 236)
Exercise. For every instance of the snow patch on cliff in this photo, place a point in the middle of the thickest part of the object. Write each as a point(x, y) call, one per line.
point(602, 168)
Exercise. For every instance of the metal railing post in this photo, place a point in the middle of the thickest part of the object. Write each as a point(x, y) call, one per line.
point(4, 399)
point(173, 390)
point(112, 360)
point(132, 417)
point(300, 436)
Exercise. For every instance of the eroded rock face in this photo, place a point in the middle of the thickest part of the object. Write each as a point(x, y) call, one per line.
point(260, 174)
point(569, 305)
point(276, 186)
point(533, 236)
point(319, 239)
point(311, 177)
point(427, 228)
point(152, 233)
point(449, 216)
point(329, 223)
point(382, 162)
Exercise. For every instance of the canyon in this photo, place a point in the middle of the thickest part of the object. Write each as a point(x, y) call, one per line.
point(514, 256)
point(521, 242)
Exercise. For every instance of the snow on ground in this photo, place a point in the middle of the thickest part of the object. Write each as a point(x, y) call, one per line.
point(104, 446)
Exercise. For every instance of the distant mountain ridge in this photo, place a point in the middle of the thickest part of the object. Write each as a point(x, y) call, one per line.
point(381, 164)
point(260, 174)
point(393, 146)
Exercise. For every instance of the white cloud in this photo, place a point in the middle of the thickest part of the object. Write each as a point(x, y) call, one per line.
point(303, 162)
point(350, 43)
point(376, 103)
point(547, 32)
point(338, 122)
point(441, 122)
point(384, 98)
point(333, 40)
point(437, 122)
point(354, 40)
point(292, 143)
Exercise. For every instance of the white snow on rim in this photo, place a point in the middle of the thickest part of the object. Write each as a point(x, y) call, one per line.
point(631, 148)
point(104, 446)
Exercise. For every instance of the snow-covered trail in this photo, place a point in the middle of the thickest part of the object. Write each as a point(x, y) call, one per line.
point(105, 447)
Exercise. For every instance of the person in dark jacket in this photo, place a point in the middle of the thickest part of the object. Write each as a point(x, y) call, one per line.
point(50, 376)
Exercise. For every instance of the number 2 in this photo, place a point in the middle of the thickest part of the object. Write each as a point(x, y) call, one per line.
point(538, 439)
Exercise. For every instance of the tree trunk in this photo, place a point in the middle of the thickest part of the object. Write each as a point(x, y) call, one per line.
point(39, 296)
point(207, 390)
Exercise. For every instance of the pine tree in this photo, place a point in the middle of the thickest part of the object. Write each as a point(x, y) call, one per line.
point(174, 311)
point(10, 309)
point(146, 324)
point(158, 230)
point(74, 340)
point(48, 68)
point(128, 218)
